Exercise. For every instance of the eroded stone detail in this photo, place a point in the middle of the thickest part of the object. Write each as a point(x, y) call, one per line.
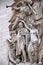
point(26, 31)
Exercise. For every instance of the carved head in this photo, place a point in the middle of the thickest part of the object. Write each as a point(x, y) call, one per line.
point(20, 25)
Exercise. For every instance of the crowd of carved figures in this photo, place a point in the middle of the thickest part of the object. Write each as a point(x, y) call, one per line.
point(26, 31)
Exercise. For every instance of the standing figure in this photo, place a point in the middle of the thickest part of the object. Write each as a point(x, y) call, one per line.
point(21, 43)
point(33, 46)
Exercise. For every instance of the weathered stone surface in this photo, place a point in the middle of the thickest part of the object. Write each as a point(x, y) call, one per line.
point(27, 22)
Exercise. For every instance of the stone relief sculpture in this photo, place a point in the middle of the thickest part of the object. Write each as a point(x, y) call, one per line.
point(26, 31)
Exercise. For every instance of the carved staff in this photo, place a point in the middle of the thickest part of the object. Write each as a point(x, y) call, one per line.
point(32, 9)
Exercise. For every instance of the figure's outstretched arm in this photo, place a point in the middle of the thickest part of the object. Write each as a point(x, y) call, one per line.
point(16, 4)
point(10, 5)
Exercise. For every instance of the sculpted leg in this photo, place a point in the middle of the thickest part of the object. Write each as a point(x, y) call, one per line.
point(29, 55)
point(40, 58)
point(24, 53)
point(36, 57)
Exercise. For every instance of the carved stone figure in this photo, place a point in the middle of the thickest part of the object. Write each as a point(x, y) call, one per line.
point(21, 41)
point(23, 15)
point(33, 46)
point(15, 9)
